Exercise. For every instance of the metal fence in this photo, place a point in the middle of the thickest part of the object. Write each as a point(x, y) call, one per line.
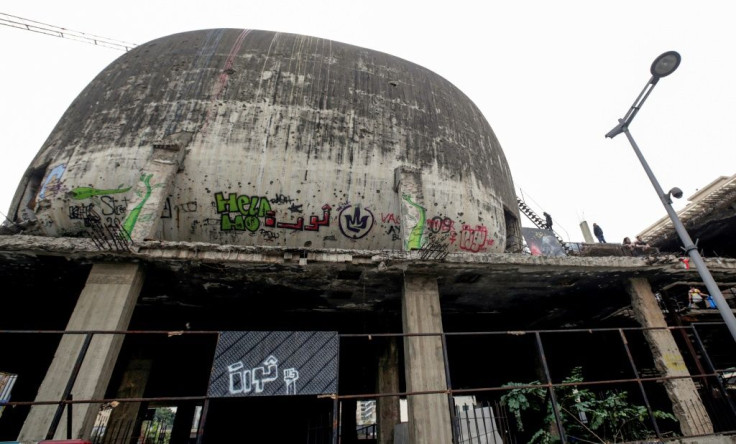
point(535, 360)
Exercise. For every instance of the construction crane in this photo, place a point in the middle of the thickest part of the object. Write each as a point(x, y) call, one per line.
point(55, 31)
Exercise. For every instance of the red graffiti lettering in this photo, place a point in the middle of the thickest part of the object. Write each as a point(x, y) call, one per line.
point(390, 218)
point(314, 222)
point(473, 238)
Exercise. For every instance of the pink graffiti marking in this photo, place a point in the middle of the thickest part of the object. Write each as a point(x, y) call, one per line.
point(473, 238)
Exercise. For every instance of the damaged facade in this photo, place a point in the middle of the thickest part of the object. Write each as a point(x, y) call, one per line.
point(240, 182)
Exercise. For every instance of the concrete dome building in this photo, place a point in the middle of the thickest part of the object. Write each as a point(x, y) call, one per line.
point(273, 139)
point(285, 238)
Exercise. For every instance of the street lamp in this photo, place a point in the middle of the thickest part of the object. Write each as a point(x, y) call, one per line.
point(663, 66)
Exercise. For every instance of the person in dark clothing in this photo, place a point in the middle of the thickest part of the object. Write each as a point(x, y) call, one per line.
point(548, 219)
point(598, 233)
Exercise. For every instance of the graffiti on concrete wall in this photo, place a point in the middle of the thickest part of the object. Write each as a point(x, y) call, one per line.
point(105, 213)
point(272, 218)
point(416, 216)
point(475, 238)
point(185, 207)
point(137, 212)
point(356, 221)
point(249, 213)
point(114, 208)
point(52, 182)
point(81, 193)
point(315, 221)
point(241, 212)
point(439, 224)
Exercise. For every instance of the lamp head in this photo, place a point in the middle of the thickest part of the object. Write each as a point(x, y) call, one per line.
point(675, 192)
point(665, 64)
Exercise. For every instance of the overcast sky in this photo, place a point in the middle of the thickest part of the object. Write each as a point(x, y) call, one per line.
point(551, 77)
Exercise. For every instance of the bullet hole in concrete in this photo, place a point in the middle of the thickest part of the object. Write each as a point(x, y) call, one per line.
point(393, 83)
point(229, 71)
point(308, 243)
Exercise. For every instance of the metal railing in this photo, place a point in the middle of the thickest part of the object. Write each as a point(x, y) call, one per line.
point(549, 354)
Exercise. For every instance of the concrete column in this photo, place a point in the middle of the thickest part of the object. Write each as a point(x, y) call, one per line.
point(106, 303)
point(586, 232)
point(686, 403)
point(429, 414)
point(123, 418)
point(387, 407)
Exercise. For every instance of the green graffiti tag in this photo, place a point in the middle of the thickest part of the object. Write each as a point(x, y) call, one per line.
point(132, 218)
point(415, 236)
point(81, 193)
point(251, 208)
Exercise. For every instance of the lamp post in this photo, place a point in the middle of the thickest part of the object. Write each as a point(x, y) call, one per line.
point(663, 66)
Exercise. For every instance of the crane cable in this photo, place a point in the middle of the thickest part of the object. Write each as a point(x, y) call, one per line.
point(43, 28)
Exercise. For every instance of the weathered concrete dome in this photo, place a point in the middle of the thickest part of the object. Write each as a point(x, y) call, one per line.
point(274, 139)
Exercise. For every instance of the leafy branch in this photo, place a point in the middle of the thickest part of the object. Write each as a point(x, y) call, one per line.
point(605, 417)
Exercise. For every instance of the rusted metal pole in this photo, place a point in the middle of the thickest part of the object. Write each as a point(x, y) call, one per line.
point(638, 381)
point(69, 384)
point(551, 390)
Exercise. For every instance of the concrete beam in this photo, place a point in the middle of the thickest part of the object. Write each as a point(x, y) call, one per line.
point(106, 303)
point(686, 403)
point(429, 414)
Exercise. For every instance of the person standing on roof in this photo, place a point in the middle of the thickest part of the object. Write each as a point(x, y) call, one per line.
point(548, 220)
point(598, 233)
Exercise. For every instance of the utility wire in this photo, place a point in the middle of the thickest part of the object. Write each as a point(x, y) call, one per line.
point(55, 31)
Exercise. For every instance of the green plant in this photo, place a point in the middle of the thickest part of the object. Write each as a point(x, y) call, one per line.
point(585, 415)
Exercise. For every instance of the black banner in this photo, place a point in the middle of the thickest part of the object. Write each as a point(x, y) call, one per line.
point(274, 363)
